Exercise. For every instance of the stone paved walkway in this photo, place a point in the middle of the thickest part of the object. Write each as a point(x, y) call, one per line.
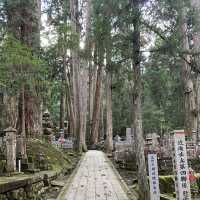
point(94, 180)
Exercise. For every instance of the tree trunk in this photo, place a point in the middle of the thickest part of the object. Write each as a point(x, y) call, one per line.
point(196, 137)
point(79, 80)
point(83, 107)
point(21, 122)
point(196, 41)
point(9, 112)
point(70, 105)
point(137, 118)
point(102, 110)
point(189, 95)
point(92, 84)
point(97, 102)
point(88, 62)
point(62, 107)
point(75, 69)
point(74, 87)
point(63, 93)
point(25, 26)
point(80, 76)
point(109, 125)
point(91, 96)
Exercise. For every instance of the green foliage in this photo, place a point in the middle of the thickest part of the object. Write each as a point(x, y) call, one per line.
point(162, 101)
point(166, 184)
point(153, 118)
point(67, 39)
point(121, 107)
point(163, 94)
point(54, 57)
point(18, 64)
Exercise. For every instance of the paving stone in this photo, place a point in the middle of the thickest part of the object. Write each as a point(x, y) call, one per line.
point(95, 180)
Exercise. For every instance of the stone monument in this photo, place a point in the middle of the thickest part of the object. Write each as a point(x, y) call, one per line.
point(10, 149)
point(129, 135)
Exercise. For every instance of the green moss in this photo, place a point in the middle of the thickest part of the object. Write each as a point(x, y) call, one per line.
point(166, 184)
point(53, 157)
point(2, 166)
point(167, 197)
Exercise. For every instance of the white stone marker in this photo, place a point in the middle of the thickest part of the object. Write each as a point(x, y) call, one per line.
point(153, 176)
point(19, 166)
point(182, 183)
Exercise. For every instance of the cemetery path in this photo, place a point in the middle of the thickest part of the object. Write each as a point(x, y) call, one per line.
point(95, 179)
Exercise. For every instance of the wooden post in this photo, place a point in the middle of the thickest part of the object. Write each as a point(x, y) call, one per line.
point(11, 149)
point(180, 163)
point(153, 176)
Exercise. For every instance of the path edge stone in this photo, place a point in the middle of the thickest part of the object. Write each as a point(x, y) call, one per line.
point(132, 195)
point(66, 187)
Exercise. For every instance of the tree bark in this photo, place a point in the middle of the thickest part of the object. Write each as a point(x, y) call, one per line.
point(62, 106)
point(75, 68)
point(109, 126)
point(137, 118)
point(24, 23)
point(63, 93)
point(21, 122)
point(88, 62)
point(97, 101)
point(109, 123)
point(70, 105)
point(9, 112)
point(83, 107)
point(92, 84)
point(189, 94)
point(90, 100)
point(102, 111)
point(196, 41)
point(79, 83)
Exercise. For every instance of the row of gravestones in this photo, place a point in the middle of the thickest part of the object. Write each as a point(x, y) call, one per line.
point(11, 151)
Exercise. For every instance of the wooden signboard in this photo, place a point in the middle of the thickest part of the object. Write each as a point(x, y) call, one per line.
point(182, 183)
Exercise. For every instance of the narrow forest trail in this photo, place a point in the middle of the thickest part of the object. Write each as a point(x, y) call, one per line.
point(95, 179)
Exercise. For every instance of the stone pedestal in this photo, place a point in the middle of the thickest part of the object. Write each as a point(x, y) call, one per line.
point(10, 149)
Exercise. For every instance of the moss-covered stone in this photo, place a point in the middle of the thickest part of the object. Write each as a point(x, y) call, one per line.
point(166, 184)
point(3, 197)
point(2, 166)
point(53, 158)
point(30, 192)
point(35, 188)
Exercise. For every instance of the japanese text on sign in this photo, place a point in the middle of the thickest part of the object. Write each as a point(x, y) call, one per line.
point(181, 167)
point(153, 177)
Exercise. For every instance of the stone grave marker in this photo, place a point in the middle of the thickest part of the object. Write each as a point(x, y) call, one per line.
point(21, 146)
point(129, 135)
point(68, 144)
point(11, 149)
